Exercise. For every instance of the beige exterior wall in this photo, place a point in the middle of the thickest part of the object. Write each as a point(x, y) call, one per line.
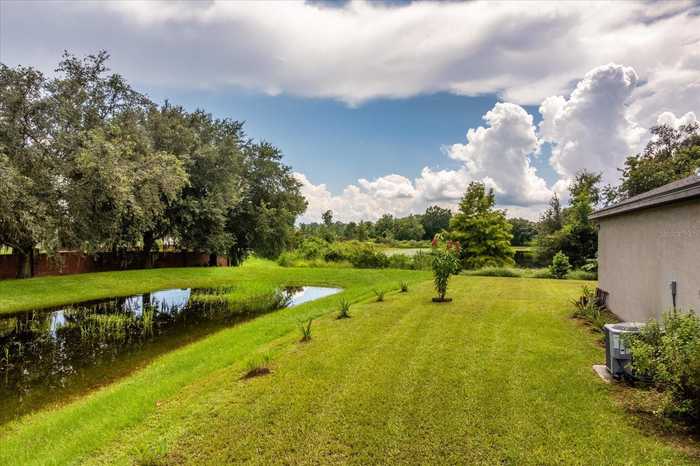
point(641, 252)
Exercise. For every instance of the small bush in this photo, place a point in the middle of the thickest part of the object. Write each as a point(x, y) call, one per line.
point(258, 365)
point(344, 309)
point(369, 258)
point(445, 263)
point(588, 309)
point(313, 248)
point(400, 261)
point(305, 328)
point(379, 294)
point(403, 286)
point(668, 354)
point(287, 259)
point(560, 265)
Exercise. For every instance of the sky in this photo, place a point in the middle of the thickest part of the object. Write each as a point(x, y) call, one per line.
point(389, 107)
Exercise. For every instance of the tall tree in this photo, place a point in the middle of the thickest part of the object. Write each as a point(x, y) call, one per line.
point(116, 184)
point(211, 151)
point(670, 155)
point(384, 227)
point(578, 236)
point(524, 231)
point(481, 229)
point(408, 228)
point(552, 219)
point(264, 220)
point(435, 220)
point(327, 218)
point(30, 211)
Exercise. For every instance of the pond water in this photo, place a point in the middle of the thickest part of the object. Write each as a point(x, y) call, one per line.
point(49, 355)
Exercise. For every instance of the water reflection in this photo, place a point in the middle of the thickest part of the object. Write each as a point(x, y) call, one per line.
point(48, 353)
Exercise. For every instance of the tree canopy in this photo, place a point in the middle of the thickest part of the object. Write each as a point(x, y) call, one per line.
point(482, 231)
point(89, 163)
point(670, 155)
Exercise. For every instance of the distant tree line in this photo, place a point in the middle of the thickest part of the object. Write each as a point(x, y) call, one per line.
point(89, 163)
point(386, 228)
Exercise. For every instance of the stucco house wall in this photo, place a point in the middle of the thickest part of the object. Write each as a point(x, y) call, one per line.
point(642, 251)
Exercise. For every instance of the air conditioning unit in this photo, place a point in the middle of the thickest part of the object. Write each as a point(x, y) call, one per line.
point(617, 354)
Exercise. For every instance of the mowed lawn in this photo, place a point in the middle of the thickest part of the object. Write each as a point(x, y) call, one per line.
point(501, 375)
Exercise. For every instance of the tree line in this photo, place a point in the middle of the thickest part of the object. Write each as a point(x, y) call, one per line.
point(415, 227)
point(486, 236)
point(88, 163)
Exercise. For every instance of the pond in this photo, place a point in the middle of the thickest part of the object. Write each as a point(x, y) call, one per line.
point(49, 355)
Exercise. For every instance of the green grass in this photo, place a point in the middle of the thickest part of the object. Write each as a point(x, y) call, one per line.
point(501, 375)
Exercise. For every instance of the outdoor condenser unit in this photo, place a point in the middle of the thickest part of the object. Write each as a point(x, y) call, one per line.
point(617, 355)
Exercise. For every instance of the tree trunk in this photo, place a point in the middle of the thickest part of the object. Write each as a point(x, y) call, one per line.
point(148, 242)
point(212, 260)
point(25, 268)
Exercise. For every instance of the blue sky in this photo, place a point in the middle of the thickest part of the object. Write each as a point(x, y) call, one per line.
point(334, 143)
point(389, 107)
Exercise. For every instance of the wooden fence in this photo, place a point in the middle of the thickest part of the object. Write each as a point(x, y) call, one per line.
point(72, 262)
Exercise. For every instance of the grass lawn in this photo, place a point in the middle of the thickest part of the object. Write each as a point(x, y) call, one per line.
point(499, 376)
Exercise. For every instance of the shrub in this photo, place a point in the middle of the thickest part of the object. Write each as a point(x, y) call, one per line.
point(560, 265)
point(305, 328)
point(400, 261)
point(344, 309)
point(379, 294)
point(668, 353)
point(445, 263)
point(287, 259)
point(588, 309)
point(403, 286)
point(313, 248)
point(369, 258)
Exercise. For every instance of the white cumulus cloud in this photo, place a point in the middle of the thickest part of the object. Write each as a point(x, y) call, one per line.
point(591, 129)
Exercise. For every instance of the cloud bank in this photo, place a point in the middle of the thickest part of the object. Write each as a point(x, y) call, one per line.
point(590, 129)
point(550, 55)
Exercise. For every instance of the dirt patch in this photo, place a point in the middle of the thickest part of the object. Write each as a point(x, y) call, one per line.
point(442, 300)
point(257, 372)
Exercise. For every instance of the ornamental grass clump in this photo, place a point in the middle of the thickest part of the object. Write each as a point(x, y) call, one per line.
point(379, 295)
point(344, 309)
point(258, 365)
point(445, 263)
point(305, 328)
point(403, 286)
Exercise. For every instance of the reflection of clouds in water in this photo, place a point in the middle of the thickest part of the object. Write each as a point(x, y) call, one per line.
point(58, 320)
point(310, 293)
